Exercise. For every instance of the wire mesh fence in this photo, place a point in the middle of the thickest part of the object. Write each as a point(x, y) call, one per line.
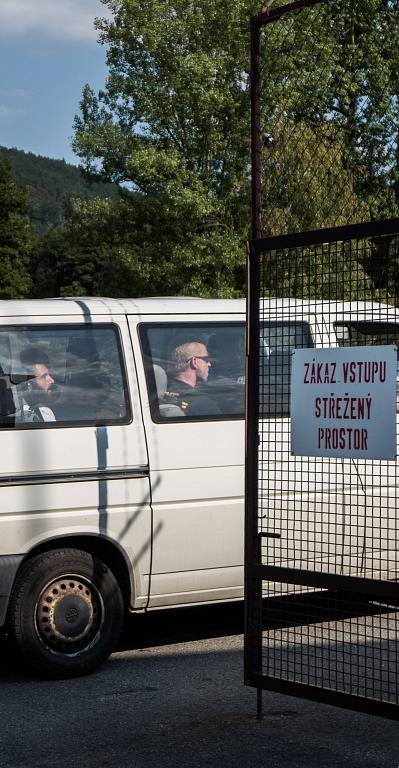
point(327, 87)
point(322, 530)
point(322, 546)
point(337, 643)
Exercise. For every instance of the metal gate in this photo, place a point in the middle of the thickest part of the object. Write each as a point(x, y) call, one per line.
point(322, 533)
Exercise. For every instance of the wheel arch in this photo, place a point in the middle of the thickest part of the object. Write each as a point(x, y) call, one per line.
point(107, 550)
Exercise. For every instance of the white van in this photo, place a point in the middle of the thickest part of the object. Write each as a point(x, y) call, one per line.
point(115, 492)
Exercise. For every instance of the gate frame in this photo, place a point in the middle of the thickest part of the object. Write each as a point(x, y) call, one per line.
point(257, 22)
point(255, 571)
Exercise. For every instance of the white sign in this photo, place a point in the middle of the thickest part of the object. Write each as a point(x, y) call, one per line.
point(343, 402)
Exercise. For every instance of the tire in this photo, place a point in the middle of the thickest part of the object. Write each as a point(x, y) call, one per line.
point(66, 613)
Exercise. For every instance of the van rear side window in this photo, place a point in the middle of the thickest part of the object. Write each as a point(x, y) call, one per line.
point(364, 333)
point(278, 341)
point(61, 376)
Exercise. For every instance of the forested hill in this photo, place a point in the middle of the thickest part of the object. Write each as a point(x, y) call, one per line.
point(51, 184)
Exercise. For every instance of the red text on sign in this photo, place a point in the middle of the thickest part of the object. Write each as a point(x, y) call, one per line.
point(342, 438)
point(342, 407)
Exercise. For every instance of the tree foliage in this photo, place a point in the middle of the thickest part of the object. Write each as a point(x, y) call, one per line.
point(173, 124)
point(172, 129)
point(16, 238)
point(105, 248)
point(50, 185)
point(330, 115)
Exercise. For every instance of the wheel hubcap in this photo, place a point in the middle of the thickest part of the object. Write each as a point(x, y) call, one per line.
point(68, 614)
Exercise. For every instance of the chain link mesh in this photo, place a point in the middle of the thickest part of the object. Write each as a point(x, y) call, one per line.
point(330, 115)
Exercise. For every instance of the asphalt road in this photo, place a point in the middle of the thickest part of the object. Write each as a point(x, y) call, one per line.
point(173, 696)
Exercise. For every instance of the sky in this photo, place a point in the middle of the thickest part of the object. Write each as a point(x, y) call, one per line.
point(48, 51)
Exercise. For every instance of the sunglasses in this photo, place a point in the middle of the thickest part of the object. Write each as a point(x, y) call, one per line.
point(206, 358)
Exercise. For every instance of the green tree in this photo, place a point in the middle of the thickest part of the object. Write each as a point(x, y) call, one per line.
point(105, 248)
point(85, 255)
point(50, 185)
point(172, 124)
point(330, 105)
point(16, 238)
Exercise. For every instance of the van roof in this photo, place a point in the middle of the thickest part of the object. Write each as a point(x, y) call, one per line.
point(186, 305)
point(88, 306)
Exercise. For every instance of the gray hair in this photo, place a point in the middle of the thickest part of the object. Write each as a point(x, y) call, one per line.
point(182, 355)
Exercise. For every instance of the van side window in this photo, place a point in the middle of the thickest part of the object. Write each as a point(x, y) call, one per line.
point(194, 371)
point(278, 341)
point(366, 332)
point(61, 376)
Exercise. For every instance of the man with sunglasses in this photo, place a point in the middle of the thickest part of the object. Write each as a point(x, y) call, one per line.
point(190, 364)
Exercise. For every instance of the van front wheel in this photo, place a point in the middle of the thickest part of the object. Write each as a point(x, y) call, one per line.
point(66, 613)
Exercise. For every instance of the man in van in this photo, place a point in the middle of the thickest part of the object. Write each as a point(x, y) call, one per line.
point(35, 394)
point(187, 387)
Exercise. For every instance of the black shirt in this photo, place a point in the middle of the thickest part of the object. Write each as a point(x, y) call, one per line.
point(192, 400)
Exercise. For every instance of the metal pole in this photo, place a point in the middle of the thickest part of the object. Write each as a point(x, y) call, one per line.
point(253, 584)
point(259, 704)
point(253, 543)
point(256, 144)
